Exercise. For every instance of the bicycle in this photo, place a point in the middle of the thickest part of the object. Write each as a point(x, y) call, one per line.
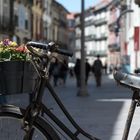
point(30, 123)
point(30, 120)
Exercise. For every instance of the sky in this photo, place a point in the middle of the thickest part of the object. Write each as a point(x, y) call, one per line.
point(75, 5)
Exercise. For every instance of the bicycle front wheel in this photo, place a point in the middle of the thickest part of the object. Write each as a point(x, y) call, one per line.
point(11, 126)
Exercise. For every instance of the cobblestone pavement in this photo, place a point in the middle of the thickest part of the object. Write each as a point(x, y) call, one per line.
point(103, 113)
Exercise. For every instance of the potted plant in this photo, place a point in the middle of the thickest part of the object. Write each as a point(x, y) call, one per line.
point(17, 75)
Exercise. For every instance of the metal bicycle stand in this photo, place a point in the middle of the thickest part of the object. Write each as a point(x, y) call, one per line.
point(135, 101)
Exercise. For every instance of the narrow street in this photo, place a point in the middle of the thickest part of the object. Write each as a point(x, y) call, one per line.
point(103, 113)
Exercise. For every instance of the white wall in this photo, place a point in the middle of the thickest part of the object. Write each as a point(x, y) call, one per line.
point(132, 21)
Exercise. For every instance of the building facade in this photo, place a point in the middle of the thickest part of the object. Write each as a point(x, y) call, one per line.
point(71, 33)
point(101, 28)
point(114, 45)
point(22, 21)
point(6, 19)
point(96, 32)
point(59, 24)
point(47, 20)
point(37, 20)
point(131, 30)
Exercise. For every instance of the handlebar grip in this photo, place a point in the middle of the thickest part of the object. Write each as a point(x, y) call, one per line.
point(64, 52)
point(37, 45)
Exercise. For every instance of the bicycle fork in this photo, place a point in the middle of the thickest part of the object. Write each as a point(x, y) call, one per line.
point(135, 101)
point(32, 111)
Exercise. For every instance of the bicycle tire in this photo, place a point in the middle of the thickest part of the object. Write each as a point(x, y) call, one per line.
point(137, 137)
point(12, 116)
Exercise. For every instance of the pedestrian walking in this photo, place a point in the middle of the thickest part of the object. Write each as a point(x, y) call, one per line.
point(88, 68)
point(56, 72)
point(63, 71)
point(105, 68)
point(97, 70)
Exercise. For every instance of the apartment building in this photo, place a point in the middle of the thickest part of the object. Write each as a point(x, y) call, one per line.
point(101, 14)
point(71, 33)
point(96, 32)
point(90, 34)
point(131, 30)
point(37, 20)
point(22, 21)
point(114, 46)
point(59, 24)
point(77, 35)
point(47, 20)
point(6, 19)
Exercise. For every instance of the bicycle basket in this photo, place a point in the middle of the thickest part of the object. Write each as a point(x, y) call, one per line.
point(17, 77)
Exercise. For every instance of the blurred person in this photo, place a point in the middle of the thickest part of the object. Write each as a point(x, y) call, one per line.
point(52, 64)
point(55, 72)
point(97, 70)
point(111, 68)
point(71, 73)
point(88, 68)
point(63, 71)
point(105, 68)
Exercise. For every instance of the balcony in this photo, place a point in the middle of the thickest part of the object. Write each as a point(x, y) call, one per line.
point(89, 22)
point(62, 23)
point(77, 21)
point(78, 36)
point(95, 53)
point(90, 37)
point(114, 47)
point(77, 49)
point(100, 22)
point(102, 36)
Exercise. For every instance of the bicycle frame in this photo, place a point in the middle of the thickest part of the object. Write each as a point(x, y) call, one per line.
point(36, 106)
point(72, 135)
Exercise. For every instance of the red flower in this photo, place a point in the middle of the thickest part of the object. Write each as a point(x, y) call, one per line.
point(21, 48)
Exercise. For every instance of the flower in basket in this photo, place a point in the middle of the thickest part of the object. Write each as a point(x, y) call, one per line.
point(17, 73)
point(10, 50)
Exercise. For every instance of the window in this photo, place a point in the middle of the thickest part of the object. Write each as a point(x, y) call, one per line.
point(71, 23)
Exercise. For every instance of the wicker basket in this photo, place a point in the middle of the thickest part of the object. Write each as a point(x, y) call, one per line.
point(17, 77)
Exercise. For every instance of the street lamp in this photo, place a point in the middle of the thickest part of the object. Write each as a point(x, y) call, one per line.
point(119, 18)
point(83, 89)
point(137, 2)
point(121, 37)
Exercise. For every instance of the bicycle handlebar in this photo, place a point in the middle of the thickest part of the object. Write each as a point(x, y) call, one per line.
point(52, 47)
point(37, 45)
point(130, 80)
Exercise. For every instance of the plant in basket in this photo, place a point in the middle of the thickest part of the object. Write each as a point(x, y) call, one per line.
point(17, 73)
point(10, 50)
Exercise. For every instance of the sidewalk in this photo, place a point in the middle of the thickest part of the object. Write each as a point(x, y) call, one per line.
point(103, 113)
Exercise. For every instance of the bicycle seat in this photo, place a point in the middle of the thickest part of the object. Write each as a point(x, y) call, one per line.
point(129, 80)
